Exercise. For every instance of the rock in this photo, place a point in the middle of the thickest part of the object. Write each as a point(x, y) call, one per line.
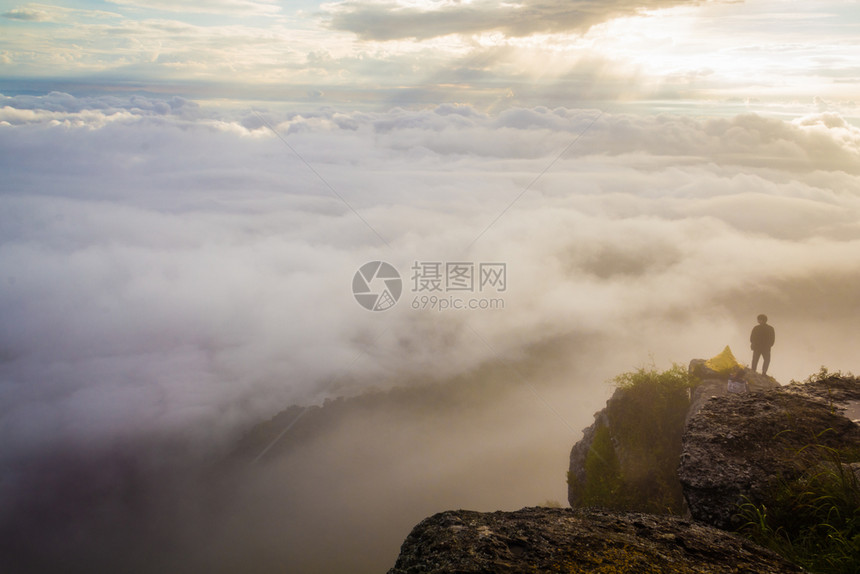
point(715, 385)
point(854, 467)
point(834, 390)
point(578, 457)
point(699, 368)
point(628, 458)
point(577, 541)
point(736, 446)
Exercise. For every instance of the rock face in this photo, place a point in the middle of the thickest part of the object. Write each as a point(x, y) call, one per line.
point(715, 384)
point(577, 541)
point(628, 458)
point(736, 446)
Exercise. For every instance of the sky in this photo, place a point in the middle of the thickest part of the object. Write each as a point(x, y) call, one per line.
point(189, 189)
point(487, 53)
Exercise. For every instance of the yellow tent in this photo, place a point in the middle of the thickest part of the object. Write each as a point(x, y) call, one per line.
point(723, 363)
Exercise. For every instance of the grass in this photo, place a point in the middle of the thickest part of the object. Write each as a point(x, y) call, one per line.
point(814, 519)
point(676, 378)
point(823, 375)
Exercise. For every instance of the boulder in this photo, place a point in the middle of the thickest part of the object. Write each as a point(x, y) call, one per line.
point(715, 384)
point(577, 541)
point(735, 447)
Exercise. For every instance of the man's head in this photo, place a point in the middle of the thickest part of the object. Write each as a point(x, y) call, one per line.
point(762, 319)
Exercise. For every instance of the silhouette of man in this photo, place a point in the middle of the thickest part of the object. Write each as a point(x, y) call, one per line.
point(761, 340)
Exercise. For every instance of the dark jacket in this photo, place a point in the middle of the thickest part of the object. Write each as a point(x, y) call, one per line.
point(762, 337)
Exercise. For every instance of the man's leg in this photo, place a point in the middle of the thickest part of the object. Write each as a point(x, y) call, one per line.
point(756, 355)
point(766, 356)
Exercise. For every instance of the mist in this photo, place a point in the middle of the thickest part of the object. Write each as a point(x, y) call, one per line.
point(173, 273)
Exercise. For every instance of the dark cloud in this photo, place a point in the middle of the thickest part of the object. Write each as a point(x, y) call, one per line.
point(392, 21)
point(26, 15)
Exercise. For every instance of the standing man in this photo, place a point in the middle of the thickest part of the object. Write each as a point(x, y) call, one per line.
point(761, 340)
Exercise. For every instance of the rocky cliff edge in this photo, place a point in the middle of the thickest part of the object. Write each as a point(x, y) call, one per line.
point(544, 540)
point(733, 449)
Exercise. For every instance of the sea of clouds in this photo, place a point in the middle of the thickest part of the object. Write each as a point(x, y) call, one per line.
point(165, 262)
point(183, 270)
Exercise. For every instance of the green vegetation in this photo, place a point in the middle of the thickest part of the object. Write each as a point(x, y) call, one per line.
point(604, 486)
point(633, 460)
point(823, 375)
point(812, 516)
point(814, 519)
point(676, 378)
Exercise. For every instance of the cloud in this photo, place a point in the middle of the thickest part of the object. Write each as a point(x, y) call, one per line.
point(171, 271)
point(50, 13)
point(27, 15)
point(815, 142)
point(231, 7)
point(55, 106)
point(491, 55)
point(163, 48)
point(181, 263)
point(400, 20)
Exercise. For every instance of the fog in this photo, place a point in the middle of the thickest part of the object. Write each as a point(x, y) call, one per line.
point(174, 272)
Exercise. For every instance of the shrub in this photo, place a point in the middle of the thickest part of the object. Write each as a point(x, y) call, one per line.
point(633, 461)
point(676, 378)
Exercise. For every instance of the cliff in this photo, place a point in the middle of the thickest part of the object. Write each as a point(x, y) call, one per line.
point(781, 464)
point(740, 448)
point(627, 459)
point(572, 541)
